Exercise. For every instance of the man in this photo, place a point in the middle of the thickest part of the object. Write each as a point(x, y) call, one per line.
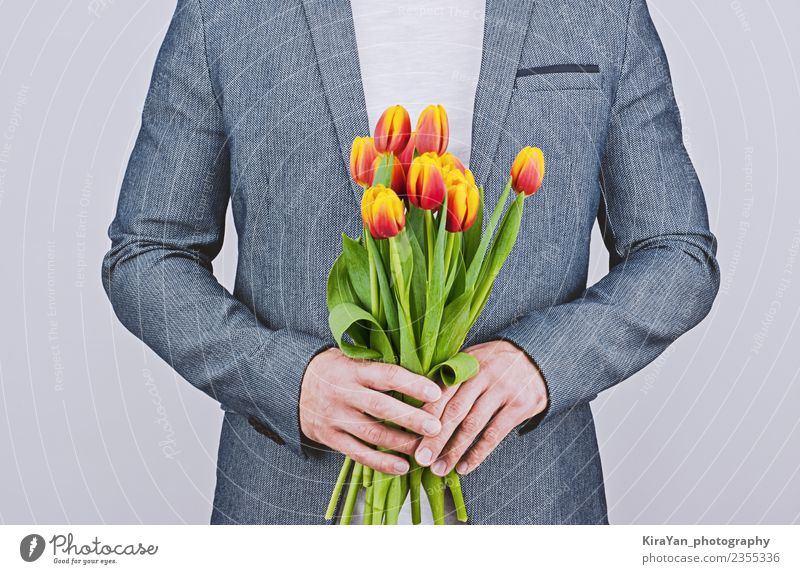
point(256, 103)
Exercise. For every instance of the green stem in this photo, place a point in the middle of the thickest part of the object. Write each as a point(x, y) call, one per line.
point(394, 499)
point(374, 296)
point(454, 483)
point(367, 476)
point(380, 483)
point(337, 490)
point(434, 488)
point(448, 252)
point(415, 484)
point(429, 240)
point(367, 518)
point(352, 492)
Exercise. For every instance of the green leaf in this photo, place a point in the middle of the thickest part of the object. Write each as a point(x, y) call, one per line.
point(357, 263)
point(402, 268)
point(339, 288)
point(454, 327)
point(419, 279)
point(472, 236)
point(435, 296)
point(384, 291)
point(475, 264)
point(343, 317)
point(415, 223)
point(459, 280)
point(499, 252)
point(453, 263)
point(454, 371)
point(341, 291)
point(383, 175)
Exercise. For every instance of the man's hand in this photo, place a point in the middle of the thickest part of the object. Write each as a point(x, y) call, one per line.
point(342, 402)
point(508, 391)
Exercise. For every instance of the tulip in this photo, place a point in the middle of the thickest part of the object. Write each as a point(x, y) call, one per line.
point(433, 131)
point(407, 155)
point(425, 183)
point(449, 162)
point(383, 212)
point(393, 130)
point(363, 156)
point(463, 200)
point(527, 171)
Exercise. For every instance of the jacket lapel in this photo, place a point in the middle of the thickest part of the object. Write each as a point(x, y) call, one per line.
point(334, 37)
point(333, 34)
point(504, 34)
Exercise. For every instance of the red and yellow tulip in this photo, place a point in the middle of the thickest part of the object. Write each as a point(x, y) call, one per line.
point(383, 212)
point(527, 171)
point(363, 156)
point(407, 155)
point(433, 130)
point(450, 162)
point(393, 130)
point(463, 200)
point(425, 183)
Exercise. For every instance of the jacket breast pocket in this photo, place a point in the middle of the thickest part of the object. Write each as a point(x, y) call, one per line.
point(559, 77)
point(566, 115)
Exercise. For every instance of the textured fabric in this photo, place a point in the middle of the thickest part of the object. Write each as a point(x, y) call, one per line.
point(255, 104)
point(422, 52)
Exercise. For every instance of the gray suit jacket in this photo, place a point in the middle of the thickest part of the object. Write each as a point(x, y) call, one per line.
point(255, 103)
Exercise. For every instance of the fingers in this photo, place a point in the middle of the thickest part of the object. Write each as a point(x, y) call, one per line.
point(359, 452)
point(390, 409)
point(502, 424)
point(373, 432)
point(466, 433)
point(454, 412)
point(436, 408)
point(383, 377)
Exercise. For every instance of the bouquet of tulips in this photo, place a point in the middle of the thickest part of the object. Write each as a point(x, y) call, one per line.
point(409, 290)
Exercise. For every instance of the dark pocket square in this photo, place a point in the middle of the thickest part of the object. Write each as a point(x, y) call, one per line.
point(559, 69)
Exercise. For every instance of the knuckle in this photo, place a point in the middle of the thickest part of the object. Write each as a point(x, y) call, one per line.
point(474, 457)
point(392, 374)
point(471, 425)
point(375, 434)
point(492, 435)
point(455, 408)
point(375, 403)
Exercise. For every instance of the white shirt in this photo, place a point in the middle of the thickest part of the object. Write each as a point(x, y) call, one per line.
point(420, 52)
point(415, 53)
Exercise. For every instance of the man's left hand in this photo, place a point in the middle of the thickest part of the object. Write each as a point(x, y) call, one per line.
point(508, 390)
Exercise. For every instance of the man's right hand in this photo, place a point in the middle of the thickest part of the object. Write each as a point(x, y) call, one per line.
point(343, 401)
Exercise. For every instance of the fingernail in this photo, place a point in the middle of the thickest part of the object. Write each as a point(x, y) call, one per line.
point(401, 467)
point(432, 393)
point(462, 468)
point(431, 427)
point(424, 456)
point(439, 467)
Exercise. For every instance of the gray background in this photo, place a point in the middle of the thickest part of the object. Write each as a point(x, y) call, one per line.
point(95, 428)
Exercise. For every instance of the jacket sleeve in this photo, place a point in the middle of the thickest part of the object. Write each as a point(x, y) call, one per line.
point(169, 227)
point(663, 275)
